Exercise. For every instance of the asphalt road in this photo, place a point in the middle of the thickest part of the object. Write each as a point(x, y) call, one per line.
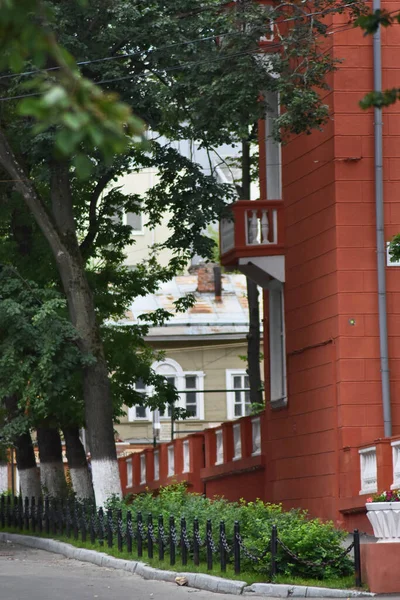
point(28, 574)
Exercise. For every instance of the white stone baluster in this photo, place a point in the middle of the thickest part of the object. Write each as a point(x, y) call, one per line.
point(264, 226)
point(368, 470)
point(253, 228)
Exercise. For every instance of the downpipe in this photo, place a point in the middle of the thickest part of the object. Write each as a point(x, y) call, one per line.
point(380, 233)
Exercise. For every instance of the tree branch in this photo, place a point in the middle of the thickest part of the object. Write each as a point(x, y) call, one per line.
point(93, 228)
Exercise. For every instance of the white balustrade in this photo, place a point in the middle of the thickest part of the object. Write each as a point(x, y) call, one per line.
point(171, 461)
point(237, 441)
point(227, 235)
point(256, 436)
point(261, 226)
point(396, 464)
point(368, 470)
point(219, 441)
point(129, 473)
point(142, 468)
point(156, 465)
point(186, 457)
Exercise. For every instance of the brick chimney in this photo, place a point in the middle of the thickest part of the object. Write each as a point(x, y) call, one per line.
point(209, 279)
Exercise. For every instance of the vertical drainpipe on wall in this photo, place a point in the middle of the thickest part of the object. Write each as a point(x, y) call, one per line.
point(380, 234)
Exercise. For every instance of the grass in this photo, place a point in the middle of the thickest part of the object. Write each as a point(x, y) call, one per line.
point(248, 577)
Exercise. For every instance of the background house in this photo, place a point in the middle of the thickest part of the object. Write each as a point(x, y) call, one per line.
point(203, 349)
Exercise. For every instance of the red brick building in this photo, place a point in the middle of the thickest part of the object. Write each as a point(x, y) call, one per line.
point(310, 241)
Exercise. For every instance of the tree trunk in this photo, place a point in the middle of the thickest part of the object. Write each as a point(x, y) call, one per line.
point(25, 456)
point(52, 474)
point(253, 337)
point(59, 230)
point(77, 463)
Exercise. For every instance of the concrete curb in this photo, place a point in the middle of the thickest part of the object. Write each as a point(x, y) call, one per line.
point(195, 580)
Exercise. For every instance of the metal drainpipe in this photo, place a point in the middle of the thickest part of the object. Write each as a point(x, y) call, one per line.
point(380, 235)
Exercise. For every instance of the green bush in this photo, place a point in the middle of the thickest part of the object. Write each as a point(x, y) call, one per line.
point(310, 539)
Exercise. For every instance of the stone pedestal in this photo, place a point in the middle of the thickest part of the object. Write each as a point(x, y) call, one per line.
point(380, 567)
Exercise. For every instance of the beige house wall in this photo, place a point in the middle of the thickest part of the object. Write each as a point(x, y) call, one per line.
point(212, 359)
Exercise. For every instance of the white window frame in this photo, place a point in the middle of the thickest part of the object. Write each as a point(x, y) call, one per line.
point(219, 447)
point(256, 436)
point(142, 468)
point(171, 368)
point(273, 150)
point(156, 464)
point(277, 345)
point(171, 460)
point(186, 456)
point(230, 396)
point(129, 473)
point(134, 231)
point(132, 418)
point(237, 441)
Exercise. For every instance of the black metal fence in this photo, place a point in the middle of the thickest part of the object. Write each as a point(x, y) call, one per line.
point(76, 520)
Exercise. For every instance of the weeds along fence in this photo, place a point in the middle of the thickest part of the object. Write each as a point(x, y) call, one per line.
point(168, 541)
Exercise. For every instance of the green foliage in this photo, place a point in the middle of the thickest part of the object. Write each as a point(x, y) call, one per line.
point(310, 539)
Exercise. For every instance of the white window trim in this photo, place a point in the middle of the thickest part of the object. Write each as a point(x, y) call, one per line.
point(132, 418)
point(179, 374)
point(143, 469)
point(133, 231)
point(277, 345)
point(230, 396)
point(129, 473)
point(171, 460)
point(156, 463)
point(273, 150)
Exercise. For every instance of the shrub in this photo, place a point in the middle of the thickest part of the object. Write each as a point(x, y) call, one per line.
point(310, 539)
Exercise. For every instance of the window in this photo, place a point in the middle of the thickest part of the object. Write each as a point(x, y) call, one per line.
point(139, 413)
point(171, 461)
point(277, 347)
point(256, 436)
point(238, 396)
point(156, 465)
point(142, 468)
point(272, 150)
point(186, 457)
point(190, 385)
point(237, 442)
point(135, 221)
point(219, 442)
point(129, 473)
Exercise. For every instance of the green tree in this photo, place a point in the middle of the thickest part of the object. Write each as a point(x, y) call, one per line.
point(186, 73)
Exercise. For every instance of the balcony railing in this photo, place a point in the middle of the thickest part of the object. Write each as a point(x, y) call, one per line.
point(255, 229)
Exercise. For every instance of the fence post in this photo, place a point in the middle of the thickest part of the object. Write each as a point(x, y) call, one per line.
point(160, 538)
point(47, 515)
point(196, 547)
point(8, 511)
point(129, 532)
point(139, 534)
point(26, 513)
point(75, 521)
point(101, 526)
point(236, 547)
point(184, 552)
point(222, 551)
point(53, 516)
point(172, 540)
point(357, 558)
point(20, 512)
point(40, 514)
point(33, 513)
point(119, 530)
point(83, 525)
point(2, 511)
point(93, 526)
point(274, 548)
point(208, 545)
point(149, 535)
point(109, 528)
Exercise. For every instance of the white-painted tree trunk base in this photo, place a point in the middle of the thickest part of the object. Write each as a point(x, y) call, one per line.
point(106, 480)
point(81, 482)
point(52, 479)
point(3, 477)
point(29, 480)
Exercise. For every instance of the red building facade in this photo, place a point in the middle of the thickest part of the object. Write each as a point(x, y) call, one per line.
point(310, 243)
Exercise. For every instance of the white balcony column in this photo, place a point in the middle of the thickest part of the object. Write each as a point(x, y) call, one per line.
point(156, 457)
point(237, 441)
point(368, 470)
point(171, 461)
point(186, 456)
point(219, 441)
point(142, 468)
